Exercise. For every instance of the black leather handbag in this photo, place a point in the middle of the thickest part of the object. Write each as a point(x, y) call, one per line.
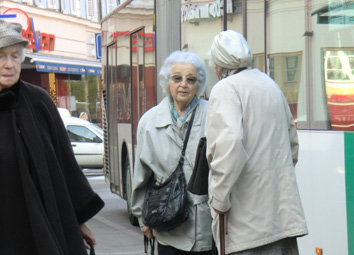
point(198, 183)
point(165, 205)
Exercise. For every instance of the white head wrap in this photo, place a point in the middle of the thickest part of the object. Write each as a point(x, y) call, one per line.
point(230, 50)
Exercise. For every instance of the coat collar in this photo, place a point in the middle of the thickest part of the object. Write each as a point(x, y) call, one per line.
point(9, 96)
point(164, 118)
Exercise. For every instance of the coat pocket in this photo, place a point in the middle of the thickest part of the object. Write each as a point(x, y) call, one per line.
point(197, 199)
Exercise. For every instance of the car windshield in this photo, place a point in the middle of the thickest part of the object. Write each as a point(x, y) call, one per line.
point(97, 129)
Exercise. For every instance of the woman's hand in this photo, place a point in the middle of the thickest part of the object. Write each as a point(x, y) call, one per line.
point(147, 231)
point(89, 238)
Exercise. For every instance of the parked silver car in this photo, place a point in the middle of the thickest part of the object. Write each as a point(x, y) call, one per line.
point(64, 112)
point(87, 142)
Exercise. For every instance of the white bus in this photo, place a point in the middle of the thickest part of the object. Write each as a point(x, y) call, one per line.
point(305, 46)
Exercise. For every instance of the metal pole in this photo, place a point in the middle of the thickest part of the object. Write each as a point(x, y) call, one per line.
point(222, 233)
point(225, 14)
point(266, 67)
point(244, 15)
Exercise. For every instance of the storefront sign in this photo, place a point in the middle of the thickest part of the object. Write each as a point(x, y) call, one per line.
point(67, 68)
point(38, 41)
point(204, 10)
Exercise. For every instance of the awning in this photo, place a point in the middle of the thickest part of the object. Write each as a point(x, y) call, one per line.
point(51, 64)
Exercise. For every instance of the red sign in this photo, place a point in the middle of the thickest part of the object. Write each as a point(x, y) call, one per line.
point(38, 41)
point(148, 39)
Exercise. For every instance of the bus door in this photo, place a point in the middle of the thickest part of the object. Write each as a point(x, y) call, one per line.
point(112, 113)
point(137, 68)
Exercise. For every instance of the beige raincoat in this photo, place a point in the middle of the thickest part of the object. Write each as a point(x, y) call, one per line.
point(252, 150)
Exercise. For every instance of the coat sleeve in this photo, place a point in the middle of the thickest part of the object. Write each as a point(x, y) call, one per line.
point(226, 153)
point(85, 201)
point(294, 142)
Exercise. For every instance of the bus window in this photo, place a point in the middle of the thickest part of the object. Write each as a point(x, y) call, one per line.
point(332, 56)
point(339, 83)
point(138, 84)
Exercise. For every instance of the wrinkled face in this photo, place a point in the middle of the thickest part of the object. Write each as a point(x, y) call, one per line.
point(183, 84)
point(10, 65)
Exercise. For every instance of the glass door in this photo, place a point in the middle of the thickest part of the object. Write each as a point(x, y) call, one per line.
point(137, 79)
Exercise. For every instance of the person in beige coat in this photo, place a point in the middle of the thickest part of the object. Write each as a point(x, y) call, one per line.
point(252, 149)
point(160, 136)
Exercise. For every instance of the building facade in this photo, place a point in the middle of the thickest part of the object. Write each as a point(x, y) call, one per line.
point(63, 56)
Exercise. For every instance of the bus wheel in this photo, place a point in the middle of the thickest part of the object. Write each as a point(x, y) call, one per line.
point(128, 187)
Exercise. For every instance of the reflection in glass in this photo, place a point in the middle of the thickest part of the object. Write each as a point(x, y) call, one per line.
point(286, 46)
point(138, 85)
point(255, 32)
point(291, 63)
point(82, 134)
point(332, 23)
point(339, 82)
point(202, 19)
point(234, 15)
point(285, 70)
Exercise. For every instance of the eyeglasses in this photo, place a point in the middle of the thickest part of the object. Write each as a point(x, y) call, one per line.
point(191, 80)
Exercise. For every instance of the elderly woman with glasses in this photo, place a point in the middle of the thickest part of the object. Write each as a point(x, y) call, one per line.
point(161, 132)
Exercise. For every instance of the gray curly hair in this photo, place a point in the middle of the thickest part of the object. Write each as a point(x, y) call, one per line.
point(180, 57)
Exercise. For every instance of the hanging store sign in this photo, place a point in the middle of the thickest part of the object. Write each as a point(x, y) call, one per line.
point(38, 41)
point(98, 44)
point(199, 11)
point(67, 68)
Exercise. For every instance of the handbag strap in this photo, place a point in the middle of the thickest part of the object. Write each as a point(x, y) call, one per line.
point(146, 245)
point(92, 250)
point(181, 160)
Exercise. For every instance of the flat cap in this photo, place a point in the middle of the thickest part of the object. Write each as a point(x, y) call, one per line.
point(10, 34)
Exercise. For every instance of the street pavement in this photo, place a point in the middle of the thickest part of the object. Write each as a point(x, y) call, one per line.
point(111, 227)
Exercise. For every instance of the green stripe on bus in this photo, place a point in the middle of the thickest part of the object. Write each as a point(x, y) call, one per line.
point(349, 187)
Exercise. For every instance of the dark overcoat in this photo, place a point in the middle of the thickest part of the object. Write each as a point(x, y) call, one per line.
point(44, 195)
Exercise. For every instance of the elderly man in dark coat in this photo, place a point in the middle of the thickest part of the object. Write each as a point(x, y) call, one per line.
point(45, 198)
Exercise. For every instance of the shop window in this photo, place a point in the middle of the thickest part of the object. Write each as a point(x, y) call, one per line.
point(75, 77)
